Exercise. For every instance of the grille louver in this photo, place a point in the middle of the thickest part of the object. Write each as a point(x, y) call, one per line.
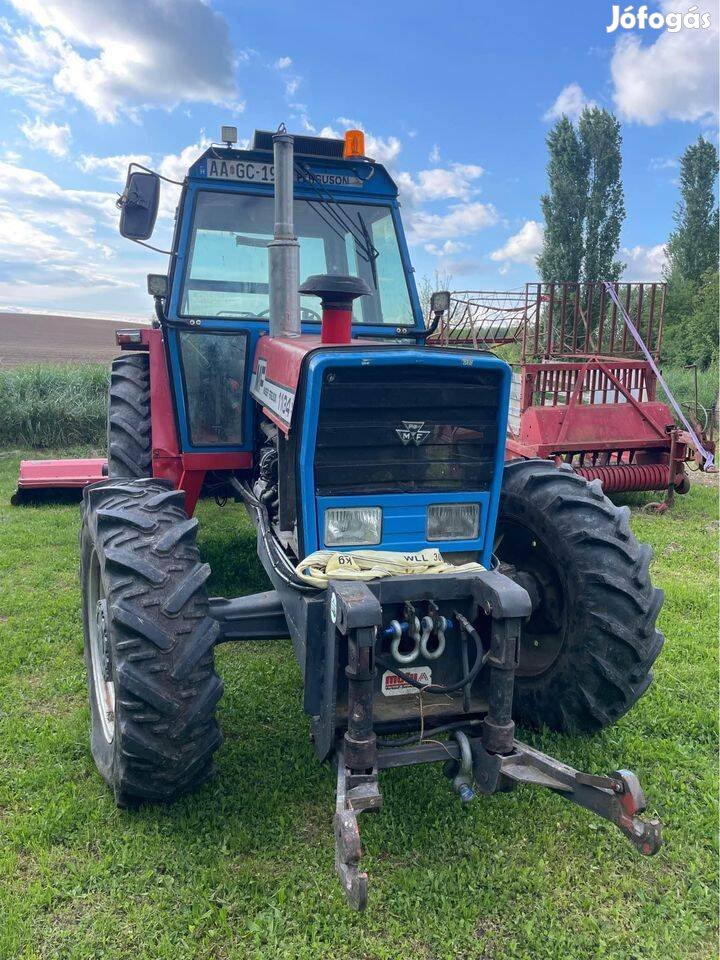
point(449, 443)
point(305, 146)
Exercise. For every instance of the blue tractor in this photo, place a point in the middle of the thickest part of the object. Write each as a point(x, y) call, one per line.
point(433, 593)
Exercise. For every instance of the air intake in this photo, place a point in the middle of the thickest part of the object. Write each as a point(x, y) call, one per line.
point(303, 146)
point(406, 429)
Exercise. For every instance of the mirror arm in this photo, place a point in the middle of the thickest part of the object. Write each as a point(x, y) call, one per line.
point(142, 243)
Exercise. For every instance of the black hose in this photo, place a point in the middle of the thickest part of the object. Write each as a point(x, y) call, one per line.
point(428, 733)
point(429, 331)
point(273, 547)
point(480, 659)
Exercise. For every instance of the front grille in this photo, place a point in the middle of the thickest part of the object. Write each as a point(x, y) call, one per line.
point(446, 416)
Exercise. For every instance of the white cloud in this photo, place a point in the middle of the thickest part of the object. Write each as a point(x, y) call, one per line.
point(283, 63)
point(434, 155)
point(123, 57)
point(440, 183)
point(448, 249)
point(570, 102)
point(663, 163)
point(523, 246)
point(43, 135)
point(113, 169)
point(175, 166)
point(461, 220)
point(674, 78)
point(53, 241)
point(643, 263)
point(291, 86)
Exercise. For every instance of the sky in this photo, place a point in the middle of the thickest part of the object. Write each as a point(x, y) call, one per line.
point(455, 98)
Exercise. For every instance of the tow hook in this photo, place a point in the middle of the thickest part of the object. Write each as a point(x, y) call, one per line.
point(461, 771)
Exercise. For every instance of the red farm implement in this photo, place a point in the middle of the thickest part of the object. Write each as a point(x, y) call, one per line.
point(585, 378)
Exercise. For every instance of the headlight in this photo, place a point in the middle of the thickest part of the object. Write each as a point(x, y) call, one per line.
point(353, 526)
point(453, 521)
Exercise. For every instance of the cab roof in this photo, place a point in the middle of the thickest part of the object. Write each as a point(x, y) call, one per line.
point(320, 165)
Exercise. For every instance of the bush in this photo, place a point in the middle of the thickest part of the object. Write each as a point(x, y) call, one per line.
point(691, 321)
point(682, 383)
point(53, 405)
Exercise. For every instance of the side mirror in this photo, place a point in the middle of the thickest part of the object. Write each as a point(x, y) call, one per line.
point(440, 302)
point(139, 204)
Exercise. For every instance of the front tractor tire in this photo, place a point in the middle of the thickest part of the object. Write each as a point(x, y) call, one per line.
point(587, 650)
point(148, 641)
point(128, 426)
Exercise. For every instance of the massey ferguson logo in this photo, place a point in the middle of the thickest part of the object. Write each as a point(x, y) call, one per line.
point(412, 431)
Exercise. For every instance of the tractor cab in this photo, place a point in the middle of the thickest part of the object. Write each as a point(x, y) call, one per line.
point(215, 301)
point(346, 219)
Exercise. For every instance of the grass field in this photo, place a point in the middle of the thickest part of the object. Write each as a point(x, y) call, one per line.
point(243, 868)
point(46, 405)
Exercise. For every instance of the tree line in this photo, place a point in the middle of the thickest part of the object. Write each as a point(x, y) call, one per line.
point(584, 210)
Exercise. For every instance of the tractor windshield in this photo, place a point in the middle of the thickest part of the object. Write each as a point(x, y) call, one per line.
point(227, 270)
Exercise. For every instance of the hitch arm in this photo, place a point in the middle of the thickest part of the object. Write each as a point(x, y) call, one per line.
point(617, 798)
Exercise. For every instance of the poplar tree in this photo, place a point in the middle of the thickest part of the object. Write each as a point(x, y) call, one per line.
point(692, 249)
point(600, 137)
point(584, 208)
point(564, 205)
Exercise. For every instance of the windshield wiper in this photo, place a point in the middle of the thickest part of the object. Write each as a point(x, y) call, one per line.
point(334, 209)
point(371, 250)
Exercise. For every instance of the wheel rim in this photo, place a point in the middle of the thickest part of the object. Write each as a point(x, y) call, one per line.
point(543, 636)
point(103, 687)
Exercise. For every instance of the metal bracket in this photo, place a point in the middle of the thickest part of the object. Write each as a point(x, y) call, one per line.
point(355, 793)
point(617, 798)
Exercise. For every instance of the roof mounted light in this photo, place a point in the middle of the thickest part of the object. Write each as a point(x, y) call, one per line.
point(228, 135)
point(354, 144)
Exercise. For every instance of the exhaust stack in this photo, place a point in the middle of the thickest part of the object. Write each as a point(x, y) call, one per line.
point(284, 249)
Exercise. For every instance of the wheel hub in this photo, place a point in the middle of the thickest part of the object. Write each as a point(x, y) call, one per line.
point(101, 626)
point(534, 568)
point(103, 686)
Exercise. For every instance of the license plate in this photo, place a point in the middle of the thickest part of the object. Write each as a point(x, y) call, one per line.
point(247, 171)
point(395, 686)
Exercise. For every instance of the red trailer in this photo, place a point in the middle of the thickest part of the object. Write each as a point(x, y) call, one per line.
point(584, 390)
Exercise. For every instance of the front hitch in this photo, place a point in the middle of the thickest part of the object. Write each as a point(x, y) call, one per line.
point(617, 798)
point(490, 761)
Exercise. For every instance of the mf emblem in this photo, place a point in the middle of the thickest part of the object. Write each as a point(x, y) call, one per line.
point(412, 431)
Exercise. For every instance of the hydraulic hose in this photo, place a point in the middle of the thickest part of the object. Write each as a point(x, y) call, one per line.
point(429, 731)
point(270, 541)
point(480, 659)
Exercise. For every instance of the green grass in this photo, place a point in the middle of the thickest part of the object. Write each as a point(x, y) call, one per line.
point(243, 868)
point(46, 405)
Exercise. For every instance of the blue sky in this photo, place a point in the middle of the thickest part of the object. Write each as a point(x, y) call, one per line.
point(456, 99)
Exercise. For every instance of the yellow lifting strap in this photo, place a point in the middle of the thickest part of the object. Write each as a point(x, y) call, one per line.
point(325, 565)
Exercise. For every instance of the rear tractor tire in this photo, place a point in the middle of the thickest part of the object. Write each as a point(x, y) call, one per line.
point(128, 427)
point(148, 641)
point(588, 648)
